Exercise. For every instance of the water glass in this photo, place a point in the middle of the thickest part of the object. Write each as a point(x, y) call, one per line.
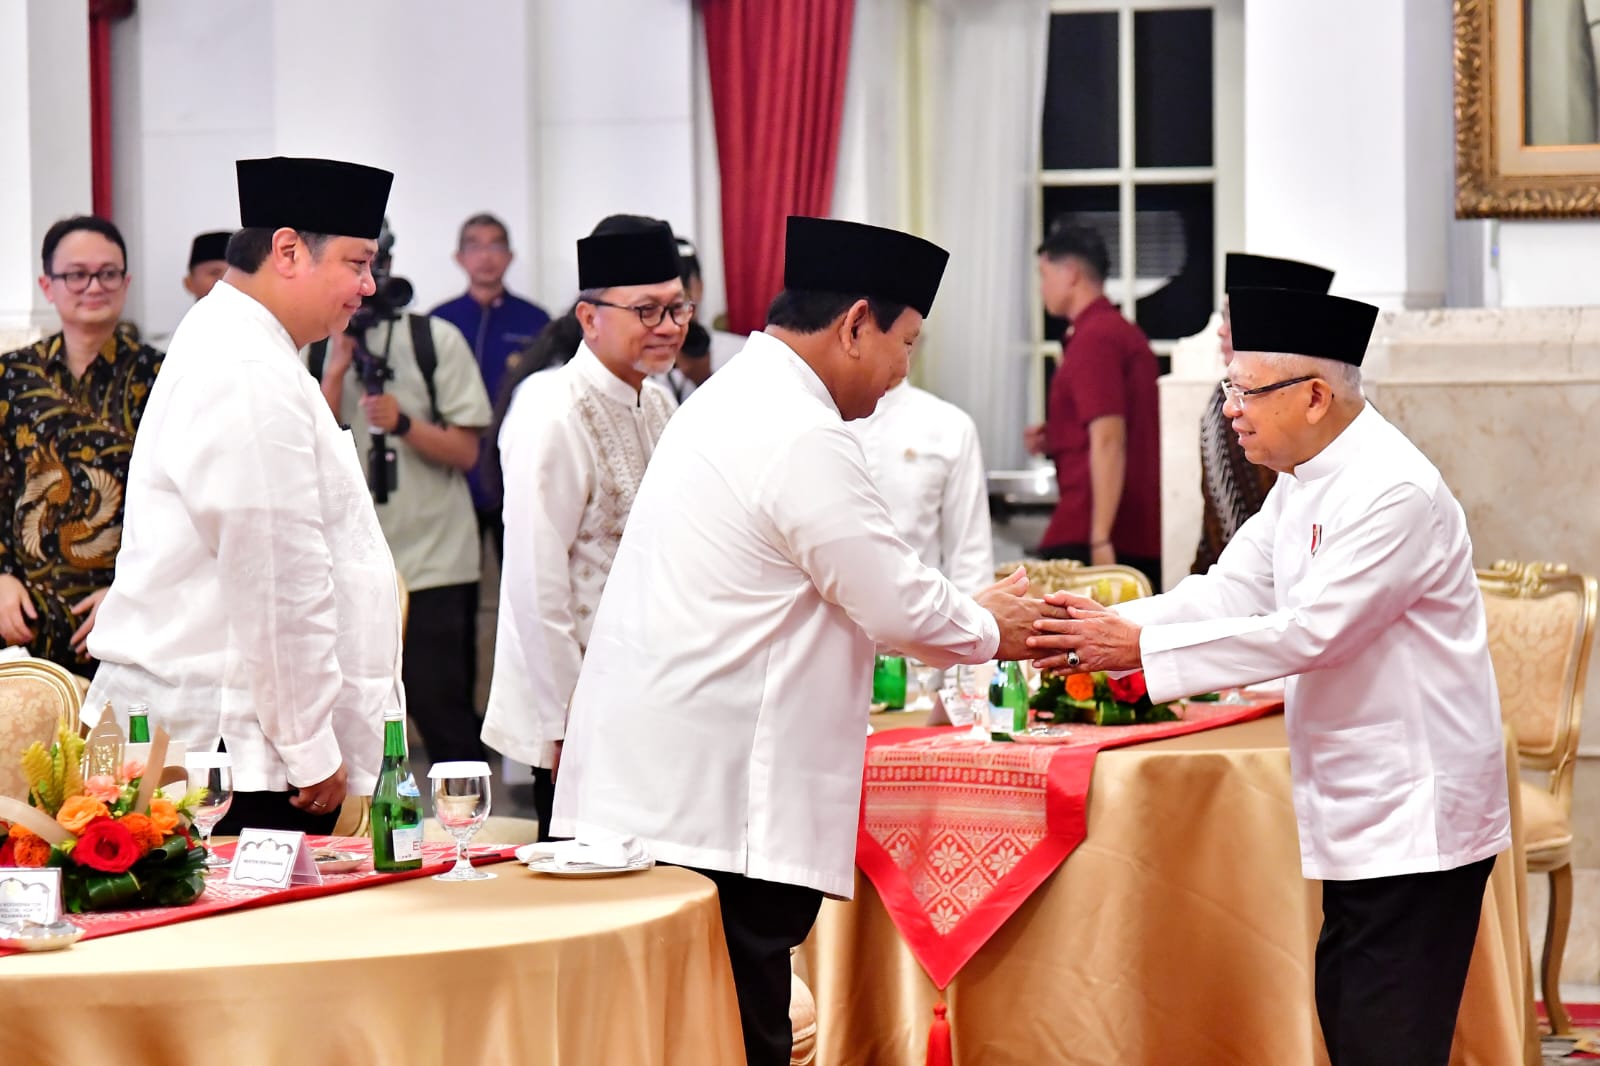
point(461, 803)
point(927, 682)
point(211, 771)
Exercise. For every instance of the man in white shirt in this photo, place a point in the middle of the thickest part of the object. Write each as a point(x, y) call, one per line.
point(573, 448)
point(924, 457)
point(720, 713)
point(1355, 581)
point(255, 599)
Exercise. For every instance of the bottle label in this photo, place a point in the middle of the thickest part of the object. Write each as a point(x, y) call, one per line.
point(407, 843)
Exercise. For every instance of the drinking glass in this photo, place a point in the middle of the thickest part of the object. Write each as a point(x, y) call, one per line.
point(461, 803)
point(972, 683)
point(213, 772)
point(927, 680)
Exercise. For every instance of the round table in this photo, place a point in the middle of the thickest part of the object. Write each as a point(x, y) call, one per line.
point(1180, 930)
point(521, 969)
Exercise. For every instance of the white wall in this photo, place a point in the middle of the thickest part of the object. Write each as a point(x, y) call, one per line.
point(44, 125)
point(1347, 142)
point(502, 106)
point(614, 118)
point(1554, 263)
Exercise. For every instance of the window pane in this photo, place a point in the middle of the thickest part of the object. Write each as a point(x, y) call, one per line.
point(1172, 88)
point(1095, 206)
point(1080, 93)
point(1175, 253)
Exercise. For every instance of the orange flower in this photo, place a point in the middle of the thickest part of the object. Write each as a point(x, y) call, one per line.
point(30, 848)
point(145, 834)
point(1080, 687)
point(164, 816)
point(79, 811)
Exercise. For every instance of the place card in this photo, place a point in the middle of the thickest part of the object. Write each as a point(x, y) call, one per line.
point(30, 895)
point(273, 858)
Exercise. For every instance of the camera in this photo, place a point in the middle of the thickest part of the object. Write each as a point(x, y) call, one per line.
point(392, 293)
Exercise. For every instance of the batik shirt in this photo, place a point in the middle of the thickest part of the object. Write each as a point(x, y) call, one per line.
point(67, 443)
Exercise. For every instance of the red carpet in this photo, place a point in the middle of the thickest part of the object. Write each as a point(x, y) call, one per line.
point(1585, 1023)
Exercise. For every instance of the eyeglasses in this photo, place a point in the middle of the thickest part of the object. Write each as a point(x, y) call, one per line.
point(1237, 396)
point(652, 315)
point(77, 281)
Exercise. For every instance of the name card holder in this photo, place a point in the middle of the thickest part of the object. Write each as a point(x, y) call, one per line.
point(273, 858)
point(30, 895)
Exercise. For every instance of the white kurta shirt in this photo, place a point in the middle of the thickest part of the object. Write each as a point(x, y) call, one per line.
point(255, 598)
point(924, 457)
point(573, 448)
point(721, 709)
point(1356, 578)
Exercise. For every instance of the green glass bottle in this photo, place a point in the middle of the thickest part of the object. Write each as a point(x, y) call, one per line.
point(889, 681)
point(139, 724)
point(396, 804)
point(1014, 697)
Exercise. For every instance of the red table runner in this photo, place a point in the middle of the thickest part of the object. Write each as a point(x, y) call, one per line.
point(956, 833)
point(219, 896)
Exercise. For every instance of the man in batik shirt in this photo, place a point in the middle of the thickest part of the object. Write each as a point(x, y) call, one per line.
point(69, 407)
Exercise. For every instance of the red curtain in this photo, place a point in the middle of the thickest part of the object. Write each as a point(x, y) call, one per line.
point(777, 95)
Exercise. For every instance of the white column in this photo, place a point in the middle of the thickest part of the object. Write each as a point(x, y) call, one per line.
point(1348, 142)
point(44, 124)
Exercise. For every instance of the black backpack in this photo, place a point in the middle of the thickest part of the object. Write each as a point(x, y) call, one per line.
point(421, 344)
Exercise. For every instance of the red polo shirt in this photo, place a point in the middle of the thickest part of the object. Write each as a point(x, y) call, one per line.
point(1107, 368)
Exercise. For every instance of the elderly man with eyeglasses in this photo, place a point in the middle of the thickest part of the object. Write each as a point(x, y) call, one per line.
point(1355, 582)
point(71, 405)
point(573, 449)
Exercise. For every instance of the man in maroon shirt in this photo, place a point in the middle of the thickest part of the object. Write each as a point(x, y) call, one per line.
point(1101, 424)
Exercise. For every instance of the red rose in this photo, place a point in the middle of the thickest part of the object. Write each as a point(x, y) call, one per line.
point(1128, 689)
point(106, 845)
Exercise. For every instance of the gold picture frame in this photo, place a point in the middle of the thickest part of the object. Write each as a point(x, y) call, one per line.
point(1504, 170)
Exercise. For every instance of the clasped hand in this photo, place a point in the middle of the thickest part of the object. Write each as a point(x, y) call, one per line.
point(1102, 638)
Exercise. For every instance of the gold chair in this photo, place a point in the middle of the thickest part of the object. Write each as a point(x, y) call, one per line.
point(1105, 585)
point(35, 695)
point(1541, 623)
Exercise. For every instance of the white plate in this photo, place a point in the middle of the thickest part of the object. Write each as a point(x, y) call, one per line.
point(545, 865)
point(337, 862)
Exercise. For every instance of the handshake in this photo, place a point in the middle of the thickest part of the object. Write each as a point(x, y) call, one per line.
point(1061, 632)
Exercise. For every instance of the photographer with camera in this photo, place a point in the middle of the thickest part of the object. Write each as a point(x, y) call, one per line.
point(409, 388)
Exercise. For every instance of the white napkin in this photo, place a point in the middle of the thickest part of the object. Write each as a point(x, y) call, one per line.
point(614, 852)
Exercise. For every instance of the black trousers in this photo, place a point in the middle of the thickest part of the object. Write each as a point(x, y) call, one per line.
point(491, 521)
point(1392, 963)
point(440, 671)
point(544, 799)
point(1150, 567)
point(272, 810)
point(762, 921)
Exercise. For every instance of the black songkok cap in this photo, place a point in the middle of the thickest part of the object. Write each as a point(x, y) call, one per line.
point(313, 196)
point(209, 247)
point(628, 250)
point(1264, 272)
point(1301, 323)
point(825, 255)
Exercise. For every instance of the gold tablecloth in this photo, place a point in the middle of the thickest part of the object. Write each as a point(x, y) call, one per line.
point(521, 969)
point(1179, 931)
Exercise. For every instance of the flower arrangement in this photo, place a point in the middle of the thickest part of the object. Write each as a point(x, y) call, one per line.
point(1097, 699)
point(112, 855)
